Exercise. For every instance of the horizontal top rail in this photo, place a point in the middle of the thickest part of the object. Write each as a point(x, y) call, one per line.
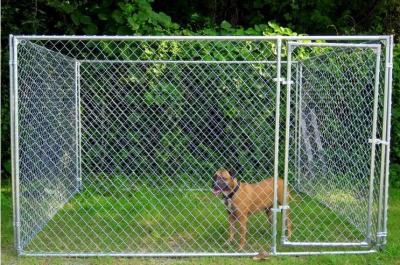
point(344, 45)
point(211, 38)
point(180, 62)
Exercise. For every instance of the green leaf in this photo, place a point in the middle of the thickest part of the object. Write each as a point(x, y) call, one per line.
point(123, 30)
point(163, 18)
point(90, 29)
point(103, 16)
point(85, 20)
point(133, 23)
point(75, 18)
point(226, 25)
point(117, 16)
point(7, 166)
point(148, 96)
point(274, 26)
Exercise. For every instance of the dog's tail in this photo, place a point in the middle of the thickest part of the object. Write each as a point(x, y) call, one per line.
point(289, 197)
point(287, 217)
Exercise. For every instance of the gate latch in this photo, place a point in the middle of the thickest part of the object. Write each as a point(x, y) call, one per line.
point(378, 141)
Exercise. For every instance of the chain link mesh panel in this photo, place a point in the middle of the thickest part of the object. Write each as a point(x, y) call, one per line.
point(48, 146)
point(156, 121)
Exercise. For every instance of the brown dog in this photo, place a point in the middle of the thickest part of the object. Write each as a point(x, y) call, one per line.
point(243, 199)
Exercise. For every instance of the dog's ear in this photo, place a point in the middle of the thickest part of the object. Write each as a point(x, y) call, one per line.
point(232, 173)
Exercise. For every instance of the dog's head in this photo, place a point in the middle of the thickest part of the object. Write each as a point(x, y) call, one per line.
point(223, 181)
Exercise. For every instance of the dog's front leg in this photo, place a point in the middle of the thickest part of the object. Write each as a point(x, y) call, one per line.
point(243, 230)
point(232, 227)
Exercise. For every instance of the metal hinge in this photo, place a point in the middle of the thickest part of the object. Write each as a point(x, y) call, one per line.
point(284, 207)
point(280, 208)
point(283, 81)
point(378, 141)
point(381, 234)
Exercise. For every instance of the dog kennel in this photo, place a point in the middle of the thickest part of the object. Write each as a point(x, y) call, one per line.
point(115, 140)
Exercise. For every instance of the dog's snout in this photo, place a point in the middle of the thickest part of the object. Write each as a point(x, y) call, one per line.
point(220, 184)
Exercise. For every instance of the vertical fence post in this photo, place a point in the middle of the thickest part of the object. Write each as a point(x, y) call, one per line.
point(380, 232)
point(296, 118)
point(78, 125)
point(287, 127)
point(276, 152)
point(299, 124)
point(373, 146)
point(13, 42)
point(387, 157)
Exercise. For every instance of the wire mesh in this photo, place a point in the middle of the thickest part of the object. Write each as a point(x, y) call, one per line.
point(47, 125)
point(119, 140)
point(152, 135)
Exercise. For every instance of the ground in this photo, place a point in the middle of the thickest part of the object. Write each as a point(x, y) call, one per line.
point(390, 255)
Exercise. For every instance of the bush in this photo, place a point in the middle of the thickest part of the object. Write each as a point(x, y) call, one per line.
point(395, 133)
point(138, 17)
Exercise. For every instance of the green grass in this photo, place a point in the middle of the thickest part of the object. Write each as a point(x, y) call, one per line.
point(92, 221)
point(150, 220)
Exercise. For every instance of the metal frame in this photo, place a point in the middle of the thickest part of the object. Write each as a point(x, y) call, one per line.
point(292, 41)
point(14, 138)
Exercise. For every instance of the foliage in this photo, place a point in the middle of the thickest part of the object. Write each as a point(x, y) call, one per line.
point(198, 17)
point(395, 132)
point(312, 17)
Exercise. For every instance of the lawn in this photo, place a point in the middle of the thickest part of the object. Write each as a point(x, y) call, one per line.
point(97, 218)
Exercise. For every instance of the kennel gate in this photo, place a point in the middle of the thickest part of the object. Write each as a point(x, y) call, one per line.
point(115, 140)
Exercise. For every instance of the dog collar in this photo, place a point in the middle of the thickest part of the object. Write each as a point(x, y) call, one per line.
point(230, 195)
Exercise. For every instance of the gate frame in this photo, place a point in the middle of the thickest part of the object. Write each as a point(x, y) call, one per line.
point(377, 50)
point(387, 41)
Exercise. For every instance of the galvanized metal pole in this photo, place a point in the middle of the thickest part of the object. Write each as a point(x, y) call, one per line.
point(380, 233)
point(276, 152)
point(373, 147)
point(389, 115)
point(12, 135)
point(299, 124)
point(78, 125)
point(13, 42)
point(287, 127)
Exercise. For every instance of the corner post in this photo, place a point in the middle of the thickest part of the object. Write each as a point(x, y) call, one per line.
point(13, 43)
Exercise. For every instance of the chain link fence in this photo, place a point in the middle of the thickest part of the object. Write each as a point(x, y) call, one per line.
point(116, 140)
